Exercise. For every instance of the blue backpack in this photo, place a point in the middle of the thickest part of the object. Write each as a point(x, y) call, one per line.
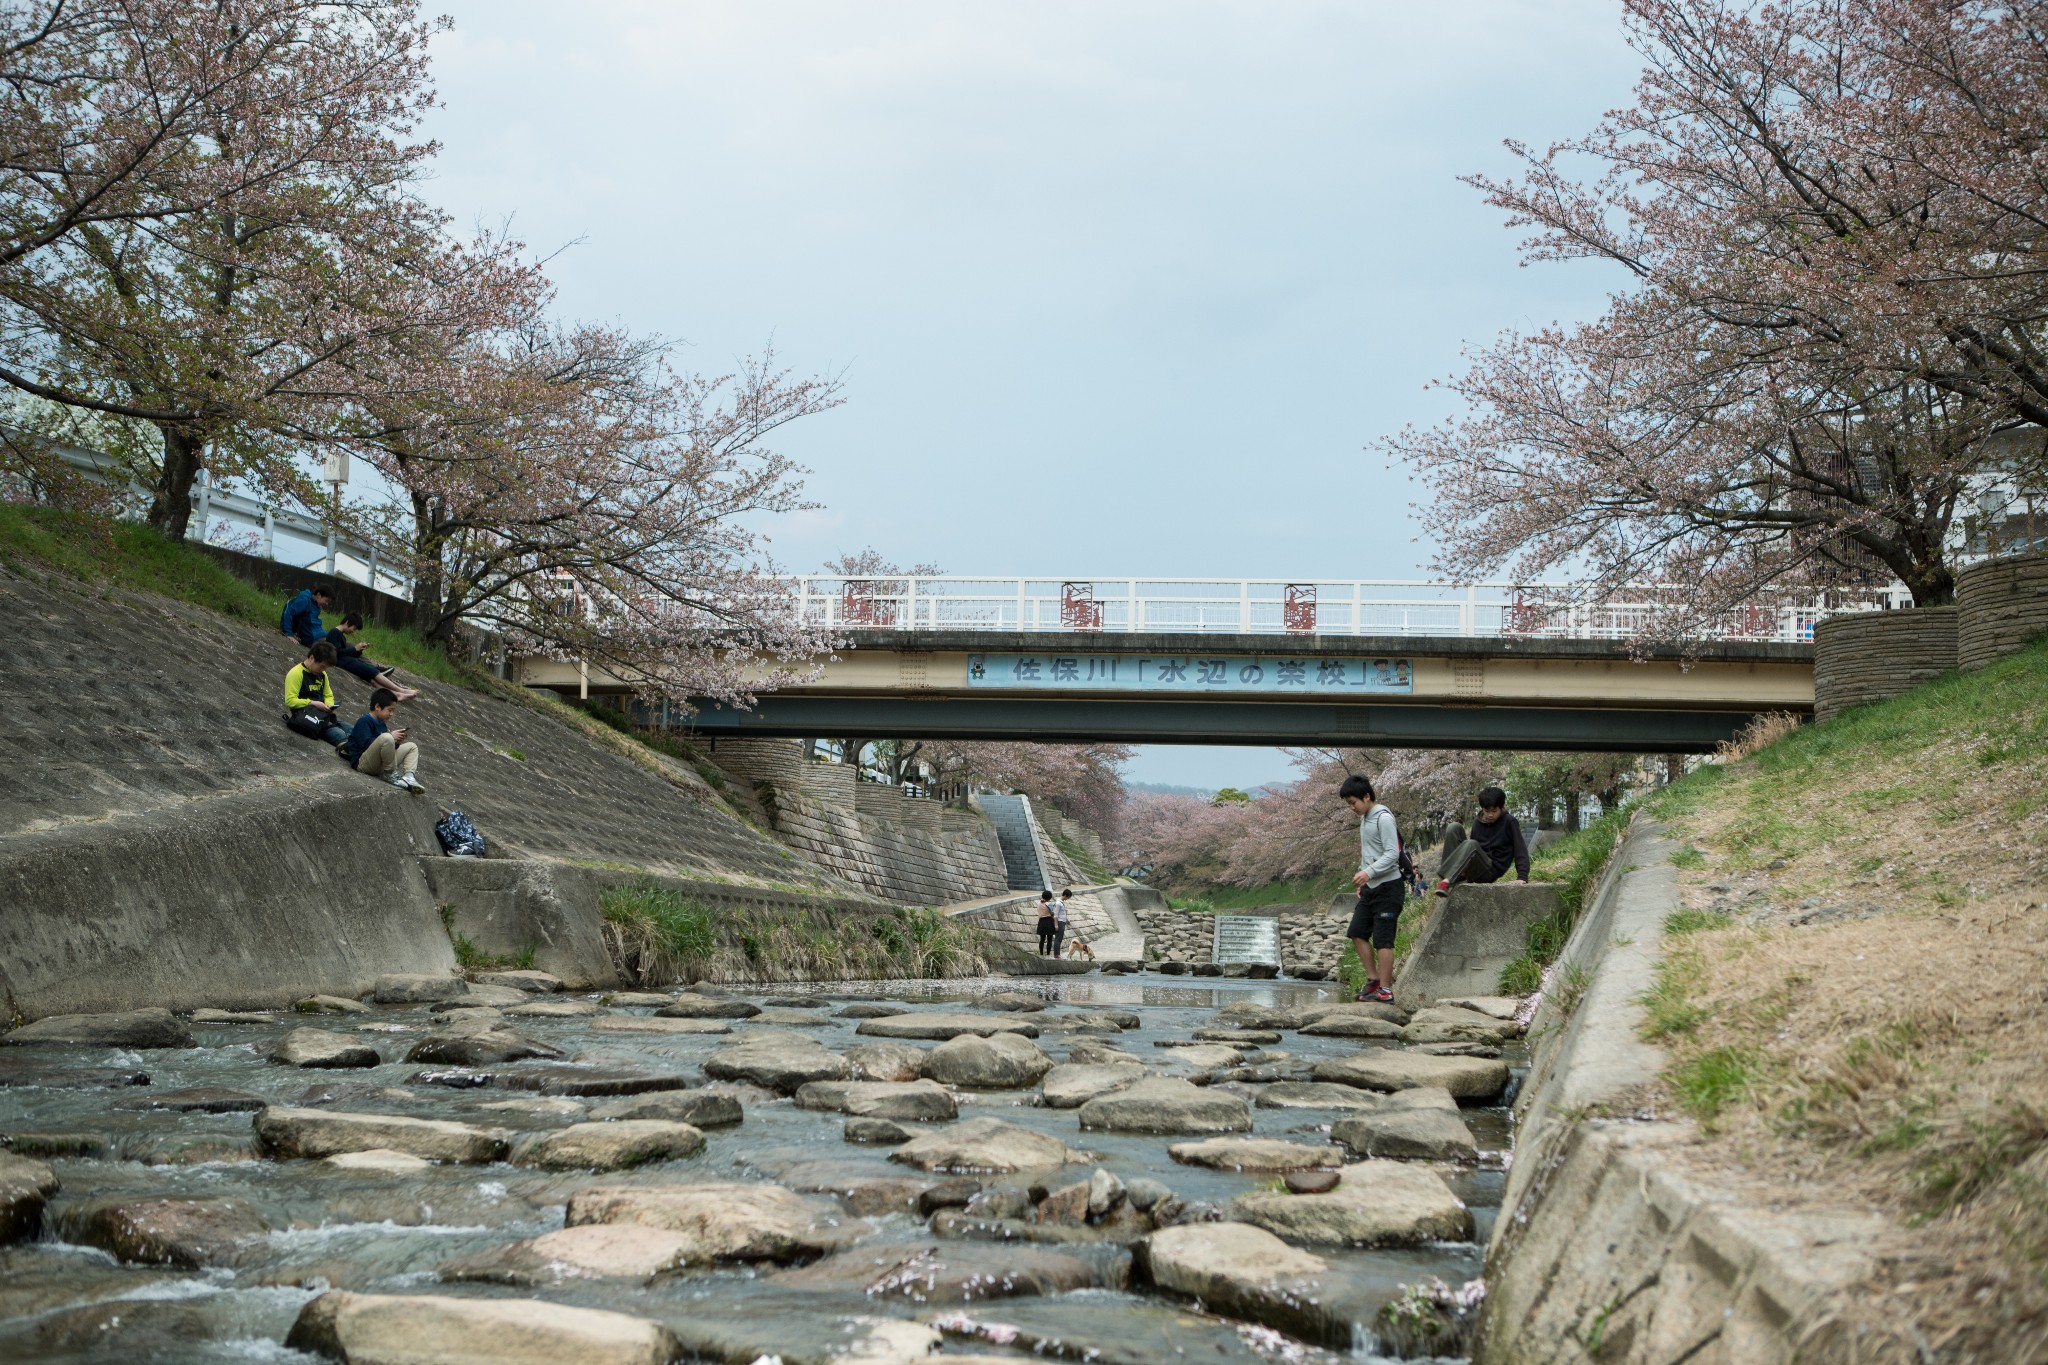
point(458, 836)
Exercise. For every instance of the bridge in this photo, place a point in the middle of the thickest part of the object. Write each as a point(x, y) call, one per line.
point(1265, 662)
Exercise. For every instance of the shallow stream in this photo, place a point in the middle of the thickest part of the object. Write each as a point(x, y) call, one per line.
point(77, 1109)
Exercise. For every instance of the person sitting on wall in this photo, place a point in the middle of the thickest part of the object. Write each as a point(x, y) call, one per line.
point(309, 697)
point(350, 656)
point(301, 618)
point(1496, 844)
point(1045, 923)
point(376, 750)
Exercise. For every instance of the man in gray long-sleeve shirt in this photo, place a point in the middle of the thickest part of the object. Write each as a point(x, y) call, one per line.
point(1381, 890)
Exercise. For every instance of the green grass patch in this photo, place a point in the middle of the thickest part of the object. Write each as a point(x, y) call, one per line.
point(1573, 864)
point(1082, 859)
point(1679, 923)
point(1688, 856)
point(1668, 1006)
point(1713, 1080)
point(130, 555)
point(669, 934)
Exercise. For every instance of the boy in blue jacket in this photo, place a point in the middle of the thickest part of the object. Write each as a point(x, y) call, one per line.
point(301, 619)
point(376, 750)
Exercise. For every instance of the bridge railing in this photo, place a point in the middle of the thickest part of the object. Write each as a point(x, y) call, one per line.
point(1274, 606)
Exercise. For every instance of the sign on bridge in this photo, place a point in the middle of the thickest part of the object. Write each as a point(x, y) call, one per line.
point(1189, 674)
point(1246, 938)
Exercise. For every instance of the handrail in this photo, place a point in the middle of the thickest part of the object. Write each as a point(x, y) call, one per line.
point(1277, 606)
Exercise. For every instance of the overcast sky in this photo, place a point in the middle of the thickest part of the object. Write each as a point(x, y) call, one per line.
point(1115, 287)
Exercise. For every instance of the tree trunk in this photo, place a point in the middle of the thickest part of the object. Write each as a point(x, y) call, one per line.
point(1571, 810)
point(170, 509)
point(429, 610)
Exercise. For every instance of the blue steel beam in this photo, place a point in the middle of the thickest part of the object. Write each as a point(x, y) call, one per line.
point(1088, 719)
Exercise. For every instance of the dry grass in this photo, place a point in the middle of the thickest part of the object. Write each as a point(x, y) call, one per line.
point(1766, 730)
point(1853, 999)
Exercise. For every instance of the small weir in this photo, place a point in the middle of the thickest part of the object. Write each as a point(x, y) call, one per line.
point(901, 1259)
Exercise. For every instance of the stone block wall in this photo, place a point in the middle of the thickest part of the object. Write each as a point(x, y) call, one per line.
point(1310, 935)
point(1014, 919)
point(952, 856)
point(1868, 656)
point(2001, 605)
point(758, 760)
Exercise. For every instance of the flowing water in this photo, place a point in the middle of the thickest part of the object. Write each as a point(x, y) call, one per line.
point(387, 1233)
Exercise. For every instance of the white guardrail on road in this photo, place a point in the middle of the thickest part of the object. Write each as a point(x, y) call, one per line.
point(1276, 606)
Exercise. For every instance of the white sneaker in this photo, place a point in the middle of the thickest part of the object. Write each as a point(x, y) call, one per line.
point(398, 780)
point(410, 783)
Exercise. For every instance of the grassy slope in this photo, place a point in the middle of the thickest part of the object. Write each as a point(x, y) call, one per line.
point(1851, 996)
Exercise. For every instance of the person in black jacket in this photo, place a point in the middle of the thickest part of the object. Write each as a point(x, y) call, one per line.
point(350, 657)
point(1495, 845)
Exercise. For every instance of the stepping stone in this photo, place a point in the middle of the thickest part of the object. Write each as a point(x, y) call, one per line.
point(409, 988)
point(704, 1007)
point(187, 1233)
point(943, 1273)
point(698, 1108)
point(791, 1019)
point(1446, 1024)
point(1351, 1026)
point(1073, 1084)
point(150, 1028)
point(881, 1131)
point(984, 1144)
point(527, 980)
point(286, 1133)
point(483, 1047)
point(886, 1061)
point(315, 1048)
point(744, 1222)
point(1315, 1095)
point(1257, 1154)
point(1311, 1182)
point(572, 1080)
point(1418, 1132)
point(940, 1025)
point(869, 1012)
point(1253, 1016)
point(25, 1071)
point(1247, 1273)
point(1251, 1037)
point(1376, 1203)
point(1019, 1001)
point(25, 1189)
point(548, 1104)
point(432, 1330)
point(784, 1064)
point(635, 1023)
point(999, 1062)
point(330, 1004)
point(380, 1160)
point(1160, 1104)
point(638, 1000)
point(478, 997)
point(611, 1146)
point(909, 1102)
point(209, 1017)
point(204, 1099)
point(623, 1251)
point(1497, 1006)
point(555, 1009)
point(1467, 1078)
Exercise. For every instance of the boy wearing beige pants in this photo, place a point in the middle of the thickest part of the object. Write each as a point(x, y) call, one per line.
point(376, 750)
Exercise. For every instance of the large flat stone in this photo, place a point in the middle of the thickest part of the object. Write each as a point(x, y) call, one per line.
point(942, 1024)
point(149, 1028)
point(1418, 1134)
point(1163, 1105)
point(1314, 1095)
point(320, 1048)
point(1467, 1078)
point(783, 1064)
point(416, 988)
point(186, 1233)
point(1377, 1203)
point(1248, 1273)
point(698, 1108)
point(592, 1251)
point(984, 1144)
point(1072, 1084)
point(909, 1102)
point(647, 1023)
point(750, 1222)
point(1000, 1061)
point(485, 1046)
point(611, 1146)
point(288, 1133)
point(1256, 1154)
point(944, 1272)
point(392, 1329)
point(1451, 1024)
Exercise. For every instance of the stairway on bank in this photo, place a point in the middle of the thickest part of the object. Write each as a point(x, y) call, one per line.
point(1018, 834)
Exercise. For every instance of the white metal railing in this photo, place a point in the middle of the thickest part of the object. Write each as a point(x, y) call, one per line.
point(1275, 606)
point(340, 554)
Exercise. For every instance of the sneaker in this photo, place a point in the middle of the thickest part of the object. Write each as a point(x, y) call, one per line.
point(412, 784)
point(397, 780)
point(1382, 996)
point(1442, 887)
point(1365, 992)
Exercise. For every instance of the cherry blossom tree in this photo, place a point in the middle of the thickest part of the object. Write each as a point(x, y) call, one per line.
point(197, 208)
point(1828, 218)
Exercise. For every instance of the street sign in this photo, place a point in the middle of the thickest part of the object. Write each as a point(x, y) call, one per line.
point(1247, 938)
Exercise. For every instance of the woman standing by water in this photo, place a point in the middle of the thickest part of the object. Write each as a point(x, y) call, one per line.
point(1046, 923)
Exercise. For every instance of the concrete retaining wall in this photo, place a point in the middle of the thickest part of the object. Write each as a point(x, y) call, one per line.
point(1475, 932)
point(2002, 604)
point(1310, 935)
point(1605, 1249)
point(948, 856)
point(1867, 656)
point(251, 899)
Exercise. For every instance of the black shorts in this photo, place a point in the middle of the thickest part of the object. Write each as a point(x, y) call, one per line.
point(1379, 913)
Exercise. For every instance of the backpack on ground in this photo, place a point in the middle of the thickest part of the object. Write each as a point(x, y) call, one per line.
point(458, 836)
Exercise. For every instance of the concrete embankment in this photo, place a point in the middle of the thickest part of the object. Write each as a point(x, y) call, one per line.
point(165, 841)
point(250, 899)
point(1609, 1247)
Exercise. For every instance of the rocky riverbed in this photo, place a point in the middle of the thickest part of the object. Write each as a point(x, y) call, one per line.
point(1121, 1170)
